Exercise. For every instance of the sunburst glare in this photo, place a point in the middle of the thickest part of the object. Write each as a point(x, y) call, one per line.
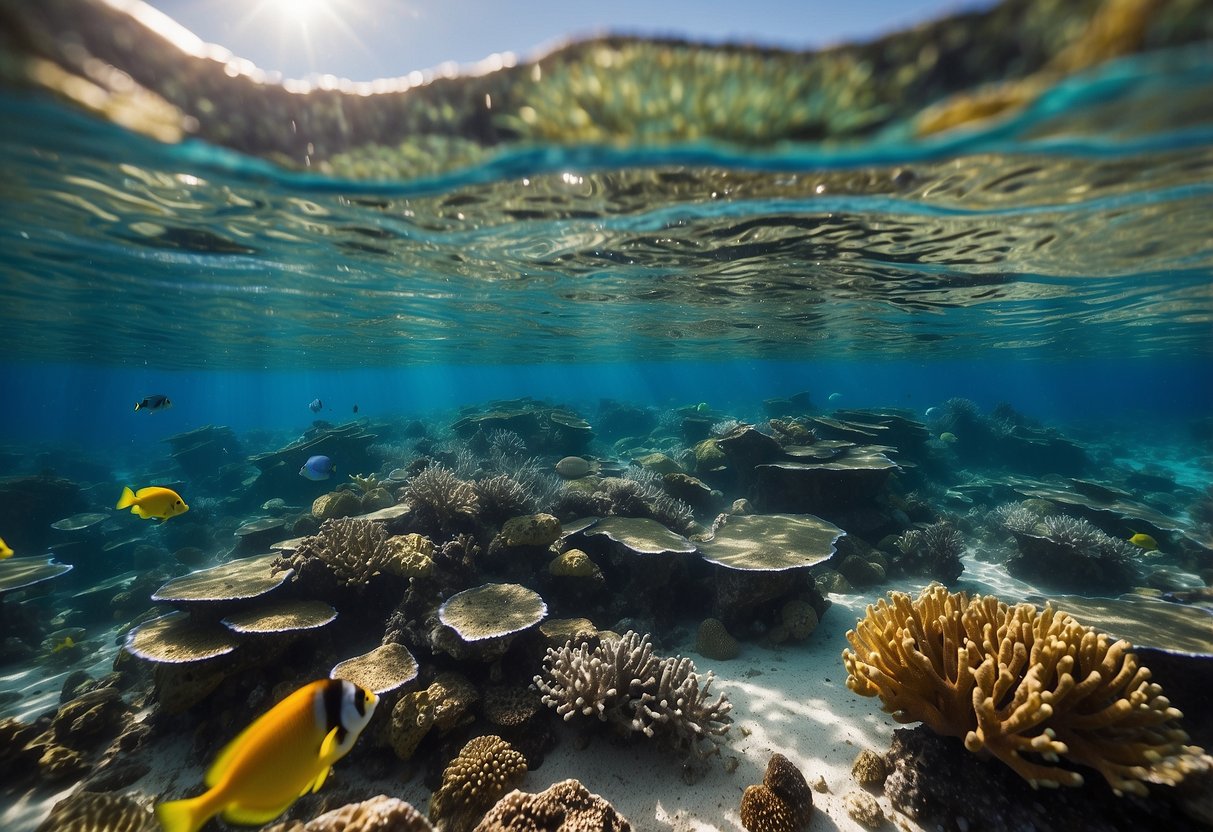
point(302, 25)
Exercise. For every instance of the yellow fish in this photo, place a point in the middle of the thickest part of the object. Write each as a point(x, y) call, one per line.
point(67, 644)
point(286, 753)
point(947, 436)
point(1144, 541)
point(5, 552)
point(161, 503)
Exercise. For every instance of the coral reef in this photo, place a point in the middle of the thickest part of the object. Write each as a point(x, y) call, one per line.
point(484, 770)
point(1068, 552)
point(933, 551)
point(1029, 687)
point(622, 683)
point(566, 806)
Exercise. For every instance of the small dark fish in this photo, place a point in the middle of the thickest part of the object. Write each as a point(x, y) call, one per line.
point(154, 402)
point(316, 406)
point(355, 408)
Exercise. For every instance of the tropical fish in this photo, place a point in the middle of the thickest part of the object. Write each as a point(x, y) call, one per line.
point(5, 551)
point(355, 408)
point(284, 754)
point(833, 397)
point(154, 501)
point(315, 405)
point(948, 437)
point(317, 468)
point(932, 412)
point(66, 644)
point(154, 402)
point(1144, 541)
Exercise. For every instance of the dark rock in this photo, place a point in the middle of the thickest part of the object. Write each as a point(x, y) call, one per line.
point(940, 785)
point(28, 506)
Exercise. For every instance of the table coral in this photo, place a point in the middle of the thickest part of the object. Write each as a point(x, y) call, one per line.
point(1015, 681)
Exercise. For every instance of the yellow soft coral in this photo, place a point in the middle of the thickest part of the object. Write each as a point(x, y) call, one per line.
point(1012, 680)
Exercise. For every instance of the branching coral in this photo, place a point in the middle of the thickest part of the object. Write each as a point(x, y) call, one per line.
point(441, 497)
point(934, 551)
point(1029, 687)
point(638, 494)
point(356, 550)
point(501, 497)
point(366, 484)
point(1067, 551)
point(623, 683)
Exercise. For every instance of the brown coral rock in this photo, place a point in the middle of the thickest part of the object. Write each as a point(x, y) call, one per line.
point(510, 705)
point(453, 695)
point(715, 642)
point(531, 530)
point(412, 718)
point(763, 811)
point(869, 768)
point(85, 720)
point(863, 809)
point(800, 618)
point(378, 814)
point(98, 812)
point(788, 784)
point(59, 762)
point(336, 504)
point(484, 770)
point(566, 806)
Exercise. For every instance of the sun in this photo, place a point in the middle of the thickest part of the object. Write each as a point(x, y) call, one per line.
point(302, 12)
point(299, 27)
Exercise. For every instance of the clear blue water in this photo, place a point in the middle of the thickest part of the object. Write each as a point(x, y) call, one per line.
point(1058, 261)
point(1044, 261)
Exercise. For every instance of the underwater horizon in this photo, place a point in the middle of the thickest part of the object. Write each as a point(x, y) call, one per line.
point(668, 350)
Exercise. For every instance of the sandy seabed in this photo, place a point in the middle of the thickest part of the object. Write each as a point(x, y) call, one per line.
point(790, 699)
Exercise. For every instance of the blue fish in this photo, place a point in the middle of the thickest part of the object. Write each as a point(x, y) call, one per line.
point(317, 468)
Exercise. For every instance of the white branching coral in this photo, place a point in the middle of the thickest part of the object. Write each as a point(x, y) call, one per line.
point(356, 550)
point(1032, 688)
point(621, 682)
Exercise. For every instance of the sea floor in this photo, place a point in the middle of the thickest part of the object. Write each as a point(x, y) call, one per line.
point(788, 699)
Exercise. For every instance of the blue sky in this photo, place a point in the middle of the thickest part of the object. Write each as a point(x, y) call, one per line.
point(367, 39)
